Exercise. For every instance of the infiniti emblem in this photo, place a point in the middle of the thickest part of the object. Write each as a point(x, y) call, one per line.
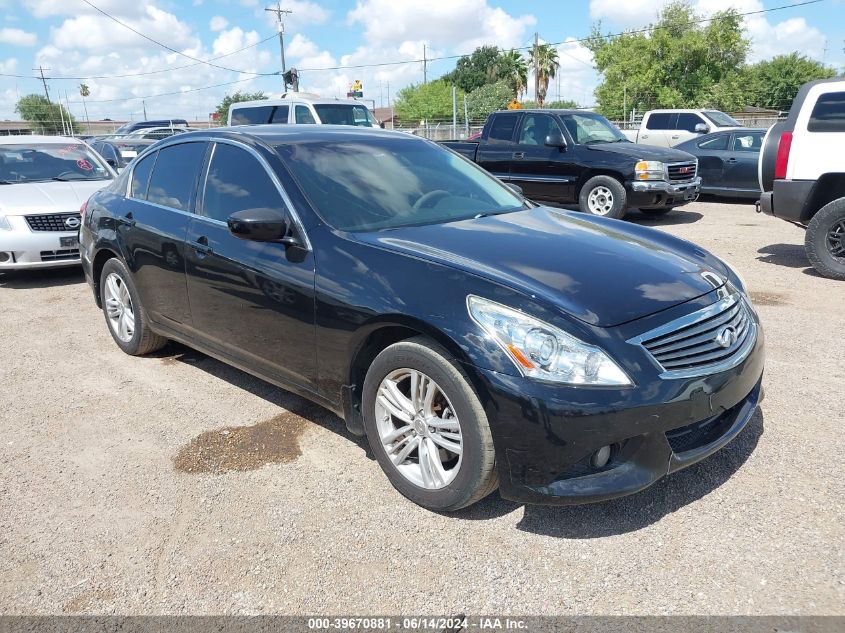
point(72, 222)
point(726, 337)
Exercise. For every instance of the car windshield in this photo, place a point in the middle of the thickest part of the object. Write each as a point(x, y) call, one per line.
point(586, 128)
point(385, 183)
point(721, 119)
point(345, 114)
point(39, 162)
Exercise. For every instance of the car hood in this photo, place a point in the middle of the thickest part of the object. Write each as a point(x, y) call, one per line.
point(642, 152)
point(47, 197)
point(603, 272)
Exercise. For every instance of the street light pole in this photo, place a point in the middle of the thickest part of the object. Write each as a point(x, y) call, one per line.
point(279, 11)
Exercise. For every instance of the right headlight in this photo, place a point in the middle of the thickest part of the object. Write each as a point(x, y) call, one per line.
point(650, 170)
point(5, 225)
point(543, 351)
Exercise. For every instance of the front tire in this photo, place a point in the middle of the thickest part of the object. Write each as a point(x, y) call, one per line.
point(125, 317)
point(825, 240)
point(603, 196)
point(427, 427)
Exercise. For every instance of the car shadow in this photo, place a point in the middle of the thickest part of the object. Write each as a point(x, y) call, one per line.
point(787, 255)
point(175, 352)
point(596, 520)
point(733, 200)
point(634, 512)
point(676, 216)
point(43, 278)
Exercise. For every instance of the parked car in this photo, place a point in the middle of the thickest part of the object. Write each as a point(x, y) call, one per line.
point(109, 151)
point(130, 127)
point(577, 157)
point(126, 147)
point(802, 172)
point(477, 339)
point(43, 182)
point(727, 161)
point(157, 133)
point(667, 128)
point(296, 108)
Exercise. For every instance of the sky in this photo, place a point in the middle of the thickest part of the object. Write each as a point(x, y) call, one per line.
point(72, 40)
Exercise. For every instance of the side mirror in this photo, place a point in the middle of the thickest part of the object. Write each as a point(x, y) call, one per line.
point(555, 139)
point(515, 188)
point(701, 128)
point(261, 225)
point(381, 124)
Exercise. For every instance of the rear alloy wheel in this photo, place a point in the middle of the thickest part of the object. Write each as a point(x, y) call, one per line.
point(603, 196)
point(825, 240)
point(124, 315)
point(427, 427)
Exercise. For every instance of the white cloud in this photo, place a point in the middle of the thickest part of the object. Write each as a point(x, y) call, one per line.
point(17, 37)
point(96, 32)
point(8, 65)
point(218, 23)
point(118, 8)
point(767, 38)
point(302, 14)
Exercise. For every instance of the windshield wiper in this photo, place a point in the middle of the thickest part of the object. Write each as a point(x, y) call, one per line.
point(7, 182)
point(60, 179)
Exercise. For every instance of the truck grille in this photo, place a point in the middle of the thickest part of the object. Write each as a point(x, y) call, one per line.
point(64, 254)
point(51, 222)
point(713, 339)
point(682, 172)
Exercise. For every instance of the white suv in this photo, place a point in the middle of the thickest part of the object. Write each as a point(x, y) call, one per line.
point(802, 172)
point(301, 108)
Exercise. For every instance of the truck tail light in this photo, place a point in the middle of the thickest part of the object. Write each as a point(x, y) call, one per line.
point(782, 160)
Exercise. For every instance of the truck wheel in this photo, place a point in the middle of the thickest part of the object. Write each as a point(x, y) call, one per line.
point(825, 240)
point(603, 196)
point(663, 211)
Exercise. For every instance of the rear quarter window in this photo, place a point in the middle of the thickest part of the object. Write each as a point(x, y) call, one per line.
point(252, 116)
point(828, 114)
point(502, 128)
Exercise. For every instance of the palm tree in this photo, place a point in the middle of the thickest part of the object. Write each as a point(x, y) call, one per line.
point(85, 91)
point(544, 60)
point(513, 69)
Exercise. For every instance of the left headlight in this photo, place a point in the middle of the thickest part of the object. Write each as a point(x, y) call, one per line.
point(5, 225)
point(650, 170)
point(543, 351)
point(736, 278)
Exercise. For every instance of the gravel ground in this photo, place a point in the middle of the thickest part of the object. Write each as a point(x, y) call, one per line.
point(175, 484)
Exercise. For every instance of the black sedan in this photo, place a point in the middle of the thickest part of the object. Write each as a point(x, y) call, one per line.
point(478, 340)
point(727, 161)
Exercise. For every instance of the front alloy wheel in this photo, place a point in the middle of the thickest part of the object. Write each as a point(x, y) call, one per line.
point(600, 201)
point(418, 428)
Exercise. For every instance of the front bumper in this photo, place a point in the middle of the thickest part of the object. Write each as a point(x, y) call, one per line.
point(22, 248)
point(661, 193)
point(546, 435)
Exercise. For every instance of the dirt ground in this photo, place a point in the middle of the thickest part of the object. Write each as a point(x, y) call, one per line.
point(176, 484)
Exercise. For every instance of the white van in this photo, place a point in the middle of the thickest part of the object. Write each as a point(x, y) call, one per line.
point(302, 108)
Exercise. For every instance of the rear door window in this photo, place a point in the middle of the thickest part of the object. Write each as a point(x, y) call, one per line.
point(174, 177)
point(828, 114)
point(502, 128)
point(252, 116)
point(659, 121)
point(303, 115)
point(141, 176)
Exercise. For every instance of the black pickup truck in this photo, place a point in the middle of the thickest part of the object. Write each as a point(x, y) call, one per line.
point(577, 157)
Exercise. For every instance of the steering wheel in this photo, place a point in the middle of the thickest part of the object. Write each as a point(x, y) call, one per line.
point(428, 197)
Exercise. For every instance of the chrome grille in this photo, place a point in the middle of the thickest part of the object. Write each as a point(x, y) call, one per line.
point(682, 172)
point(51, 222)
point(710, 340)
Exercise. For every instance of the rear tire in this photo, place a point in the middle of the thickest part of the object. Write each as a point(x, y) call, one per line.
point(603, 196)
point(657, 212)
point(455, 480)
point(825, 240)
point(125, 317)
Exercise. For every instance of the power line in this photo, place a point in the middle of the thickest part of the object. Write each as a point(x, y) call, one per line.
point(172, 50)
point(167, 94)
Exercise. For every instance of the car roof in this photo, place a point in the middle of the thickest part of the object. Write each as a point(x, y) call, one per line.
point(23, 139)
point(294, 100)
point(276, 134)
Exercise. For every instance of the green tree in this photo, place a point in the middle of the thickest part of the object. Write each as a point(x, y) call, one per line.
point(563, 104)
point(488, 98)
point(85, 91)
point(475, 70)
point(544, 60)
point(512, 68)
point(426, 102)
point(681, 62)
point(775, 82)
point(46, 117)
point(223, 109)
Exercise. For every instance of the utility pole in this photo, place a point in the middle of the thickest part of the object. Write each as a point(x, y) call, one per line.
point(44, 81)
point(144, 103)
point(536, 66)
point(425, 67)
point(280, 12)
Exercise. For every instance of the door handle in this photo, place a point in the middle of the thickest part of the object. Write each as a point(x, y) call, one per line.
point(732, 160)
point(201, 246)
point(519, 155)
point(127, 220)
point(676, 136)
